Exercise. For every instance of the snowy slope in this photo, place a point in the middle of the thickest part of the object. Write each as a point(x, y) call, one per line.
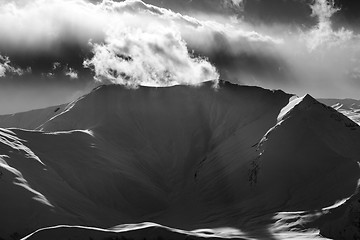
point(31, 119)
point(124, 232)
point(184, 157)
point(348, 107)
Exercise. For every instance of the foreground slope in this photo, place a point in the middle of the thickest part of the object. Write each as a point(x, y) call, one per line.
point(184, 157)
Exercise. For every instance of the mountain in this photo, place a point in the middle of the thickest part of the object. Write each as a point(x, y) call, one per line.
point(236, 160)
point(348, 107)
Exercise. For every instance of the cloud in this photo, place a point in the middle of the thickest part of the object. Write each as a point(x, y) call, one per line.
point(236, 4)
point(167, 47)
point(55, 25)
point(207, 38)
point(72, 73)
point(153, 56)
point(59, 69)
point(6, 67)
point(224, 8)
point(56, 65)
point(321, 60)
point(323, 33)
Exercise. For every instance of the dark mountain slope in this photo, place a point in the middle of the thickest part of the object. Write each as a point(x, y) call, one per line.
point(184, 157)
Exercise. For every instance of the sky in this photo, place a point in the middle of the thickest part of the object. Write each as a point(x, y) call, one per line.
point(53, 51)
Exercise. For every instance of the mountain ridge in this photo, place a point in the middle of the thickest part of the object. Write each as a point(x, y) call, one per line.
point(184, 157)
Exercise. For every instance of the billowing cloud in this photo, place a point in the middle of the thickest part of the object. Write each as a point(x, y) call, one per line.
point(133, 56)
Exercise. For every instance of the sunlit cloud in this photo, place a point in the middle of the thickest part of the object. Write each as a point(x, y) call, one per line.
point(71, 73)
point(6, 67)
point(153, 56)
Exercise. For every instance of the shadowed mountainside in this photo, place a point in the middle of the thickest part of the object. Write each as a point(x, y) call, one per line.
point(184, 157)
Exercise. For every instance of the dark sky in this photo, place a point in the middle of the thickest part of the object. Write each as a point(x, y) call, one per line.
point(270, 43)
point(349, 15)
point(292, 12)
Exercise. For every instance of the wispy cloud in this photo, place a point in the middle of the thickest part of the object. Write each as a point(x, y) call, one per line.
point(323, 34)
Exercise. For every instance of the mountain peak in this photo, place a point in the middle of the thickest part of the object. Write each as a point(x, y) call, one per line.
point(308, 99)
point(298, 103)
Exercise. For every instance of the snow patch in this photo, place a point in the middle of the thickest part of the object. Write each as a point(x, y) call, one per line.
point(21, 181)
point(9, 138)
point(291, 105)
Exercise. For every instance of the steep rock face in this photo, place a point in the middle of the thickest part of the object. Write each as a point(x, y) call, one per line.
point(186, 157)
